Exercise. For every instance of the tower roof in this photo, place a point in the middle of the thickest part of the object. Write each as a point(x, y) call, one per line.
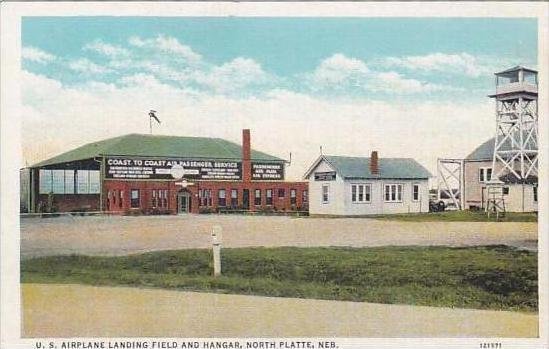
point(516, 68)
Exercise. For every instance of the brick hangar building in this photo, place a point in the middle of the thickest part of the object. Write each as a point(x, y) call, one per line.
point(150, 174)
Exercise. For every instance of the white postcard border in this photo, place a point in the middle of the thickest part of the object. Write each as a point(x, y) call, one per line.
point(10, 155)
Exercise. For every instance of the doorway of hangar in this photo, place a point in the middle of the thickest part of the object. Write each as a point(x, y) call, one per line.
point(183, 201)
point(246, 199)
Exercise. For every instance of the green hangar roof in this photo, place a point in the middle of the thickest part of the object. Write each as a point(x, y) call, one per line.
point(139, 145)
point(389, 168)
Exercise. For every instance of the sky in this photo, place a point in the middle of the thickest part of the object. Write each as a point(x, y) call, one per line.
point(406, 87)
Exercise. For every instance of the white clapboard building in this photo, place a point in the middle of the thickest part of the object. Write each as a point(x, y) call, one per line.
point(342, 185)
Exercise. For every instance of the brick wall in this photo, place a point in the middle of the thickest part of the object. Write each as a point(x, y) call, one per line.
point(278, 203)
point(155, 197)
point(70, 202)
point(117, 196)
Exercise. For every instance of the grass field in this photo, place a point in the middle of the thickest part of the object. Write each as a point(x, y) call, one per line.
point(451, 216)
point(490, 277)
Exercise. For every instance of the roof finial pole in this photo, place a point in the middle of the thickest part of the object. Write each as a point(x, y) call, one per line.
point(321, 150)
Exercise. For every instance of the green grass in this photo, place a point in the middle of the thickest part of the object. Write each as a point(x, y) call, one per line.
point(490, 277)
point(450, 216)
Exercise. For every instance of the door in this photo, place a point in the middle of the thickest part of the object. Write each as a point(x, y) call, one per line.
point(183, 202)
point(246, 199)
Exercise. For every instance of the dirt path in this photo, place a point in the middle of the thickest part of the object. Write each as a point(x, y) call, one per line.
point(87, 311)
point(123, 235)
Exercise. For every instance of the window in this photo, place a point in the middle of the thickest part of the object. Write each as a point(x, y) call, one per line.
point(120, 198)
point(257, 199)
point(361, 193)
point(206, 197)
point(69, 181)
point(153, 198)
point(393, 193)
point(135, 198)
point(293, 196)
point(505, 190)
point(82, 182)
point(109, 195)
point(87, 182)
point(535, 193)
point(325, 194)
point(45, 182)
point(415, 192)
point(269, 197)
point(305, 195)
point(484, 174)
point(221, 198)
point(234, 197)
point(56, 182)
point(94, 182)
point(281, 193)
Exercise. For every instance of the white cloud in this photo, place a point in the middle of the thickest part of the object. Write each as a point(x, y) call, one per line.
point(233, 76)
point(168, 60)
point(106, 49)
point(36, 55)
point(339, 69)
point(84, 65)
point(392, 82)
point(167, 44)
point(460, 63)
point(346, 74)
point(281, 122)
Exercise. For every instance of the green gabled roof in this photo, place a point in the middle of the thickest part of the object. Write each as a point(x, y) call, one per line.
point(389, 168)
point(140, 145)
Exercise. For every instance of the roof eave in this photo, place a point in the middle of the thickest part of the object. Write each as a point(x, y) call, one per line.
point(478, 160)
point(313, 166)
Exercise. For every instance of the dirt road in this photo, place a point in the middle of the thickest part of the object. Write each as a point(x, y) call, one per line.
point(117, 235)
point(87, 311)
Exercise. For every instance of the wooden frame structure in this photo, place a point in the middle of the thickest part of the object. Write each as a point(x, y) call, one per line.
point(450, 173)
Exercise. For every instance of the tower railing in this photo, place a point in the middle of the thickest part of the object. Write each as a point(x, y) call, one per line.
point(516, 87)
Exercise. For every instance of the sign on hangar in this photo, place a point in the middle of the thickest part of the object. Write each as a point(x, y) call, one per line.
point(161, 169)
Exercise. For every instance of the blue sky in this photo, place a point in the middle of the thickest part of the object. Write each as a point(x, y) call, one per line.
point(399, 67)
point(289, 48)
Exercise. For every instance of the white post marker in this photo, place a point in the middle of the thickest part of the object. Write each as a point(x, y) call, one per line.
point(216, 247)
